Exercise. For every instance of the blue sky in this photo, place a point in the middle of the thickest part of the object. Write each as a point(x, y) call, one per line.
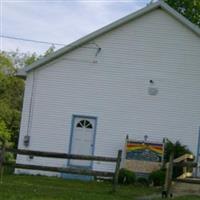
point(61, 21)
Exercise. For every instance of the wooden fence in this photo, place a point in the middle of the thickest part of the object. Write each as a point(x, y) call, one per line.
point(182, 161)
point(81, 171)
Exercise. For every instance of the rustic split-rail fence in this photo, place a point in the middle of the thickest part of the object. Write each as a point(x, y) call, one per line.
point(81, 171)
point(185, 161)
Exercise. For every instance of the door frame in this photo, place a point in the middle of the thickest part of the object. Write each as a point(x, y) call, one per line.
point(72, 133)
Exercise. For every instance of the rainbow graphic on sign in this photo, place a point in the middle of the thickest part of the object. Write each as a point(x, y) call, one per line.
point(146, 151)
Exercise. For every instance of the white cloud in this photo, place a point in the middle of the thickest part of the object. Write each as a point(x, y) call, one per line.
point(59, 21)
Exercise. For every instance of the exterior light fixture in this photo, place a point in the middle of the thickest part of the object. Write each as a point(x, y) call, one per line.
point(152, 90)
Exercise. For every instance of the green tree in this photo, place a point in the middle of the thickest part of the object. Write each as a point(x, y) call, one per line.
point(50, 50)
point(188, 8)
point(178, 149)
point(5, 135)
point(19, 59)
point(6, 66)
point(30, 59)
point(11, 96)
point(12, 89)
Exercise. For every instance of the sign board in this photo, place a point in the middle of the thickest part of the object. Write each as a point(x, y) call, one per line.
point(146, 151)
point(143, 157)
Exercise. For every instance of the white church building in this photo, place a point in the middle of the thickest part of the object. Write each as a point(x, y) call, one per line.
point(138, 76)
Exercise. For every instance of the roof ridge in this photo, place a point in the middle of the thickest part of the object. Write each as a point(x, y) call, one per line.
point(107, 28)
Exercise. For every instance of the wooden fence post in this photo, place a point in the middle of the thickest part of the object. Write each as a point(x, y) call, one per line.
point(117, 168)
point(82, 171)
point(169, 174)
point(2, 152)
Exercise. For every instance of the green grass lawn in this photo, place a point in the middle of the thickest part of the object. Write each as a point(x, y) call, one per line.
point(188, 198)
point(18, 187)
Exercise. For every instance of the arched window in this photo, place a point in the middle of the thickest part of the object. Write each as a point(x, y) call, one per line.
point(84, 124)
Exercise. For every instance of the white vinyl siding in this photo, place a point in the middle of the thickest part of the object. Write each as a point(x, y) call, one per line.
point(115, 89)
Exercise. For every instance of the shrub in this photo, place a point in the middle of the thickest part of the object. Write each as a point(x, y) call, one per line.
point(157, 177)
point(143, 181)
point(8, 170)
point(178, 149)
point(126, 177)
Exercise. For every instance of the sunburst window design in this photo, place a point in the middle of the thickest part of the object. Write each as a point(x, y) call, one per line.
point(84, 124)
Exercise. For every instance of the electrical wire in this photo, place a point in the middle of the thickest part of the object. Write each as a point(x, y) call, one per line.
point(45, 42)
point(31, 40)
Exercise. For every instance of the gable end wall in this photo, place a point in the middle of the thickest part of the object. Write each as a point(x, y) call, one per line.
point(113, 86)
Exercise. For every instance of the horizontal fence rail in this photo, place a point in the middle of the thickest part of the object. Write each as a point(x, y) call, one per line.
point(61, 169)
point(61, 155)
point(78, 170)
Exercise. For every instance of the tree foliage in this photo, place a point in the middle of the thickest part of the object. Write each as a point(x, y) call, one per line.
point(11, 91)
point(11, 95)
point(188, 8)
point(5, 135)
point(178, 149)
point(50, 50)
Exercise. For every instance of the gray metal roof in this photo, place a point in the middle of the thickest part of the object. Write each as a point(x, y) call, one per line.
point(110, 27)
